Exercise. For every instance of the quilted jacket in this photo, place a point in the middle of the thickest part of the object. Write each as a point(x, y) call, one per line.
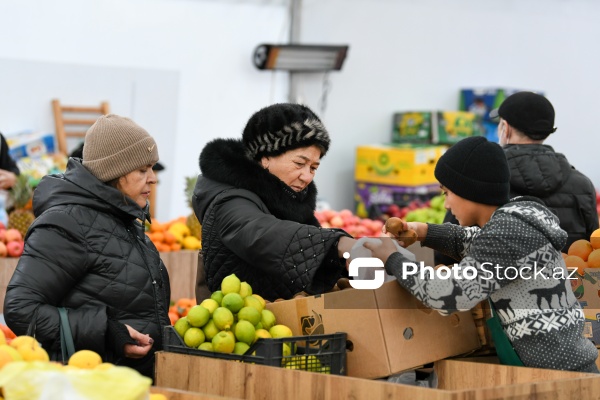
point(86, 251)
point(255, 226)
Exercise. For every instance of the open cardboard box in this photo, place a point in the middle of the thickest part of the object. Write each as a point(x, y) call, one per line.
point(457, 380)
point(388, 329)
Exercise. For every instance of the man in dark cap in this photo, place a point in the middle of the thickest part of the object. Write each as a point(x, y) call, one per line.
point(526, 119)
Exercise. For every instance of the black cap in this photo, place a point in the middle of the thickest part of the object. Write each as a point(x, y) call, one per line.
point(528, 112)
point(475, 169)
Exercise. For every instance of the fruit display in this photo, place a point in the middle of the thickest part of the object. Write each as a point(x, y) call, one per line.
point(584, 253)
point(174, 235)
point(433, 212)
point(27, 372)
point(20, 195)
point(11, 242)
point(233, 320)
point(344, 219)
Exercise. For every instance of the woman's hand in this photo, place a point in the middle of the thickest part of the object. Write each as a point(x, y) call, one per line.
point(143, 344)
point(7, 179)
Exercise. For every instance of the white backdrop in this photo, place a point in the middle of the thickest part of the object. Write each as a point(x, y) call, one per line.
point(404, 55)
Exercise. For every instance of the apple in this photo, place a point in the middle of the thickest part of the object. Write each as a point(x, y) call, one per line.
point(13, 235)
point(3, 235)
point(15, 248)
point(337, 221)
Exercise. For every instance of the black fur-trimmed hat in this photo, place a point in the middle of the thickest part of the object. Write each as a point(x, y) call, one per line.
point(278, 128)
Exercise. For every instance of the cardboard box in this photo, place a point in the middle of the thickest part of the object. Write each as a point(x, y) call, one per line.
point(457, 380)
point(30, 144)
point(373, 199)
point(587, 291)
point(388, 329)
point(480, 101)
point(397, 164)
point(435, 127)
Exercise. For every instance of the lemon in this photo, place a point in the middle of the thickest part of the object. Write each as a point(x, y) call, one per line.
point(231, 284)
point(223, 318)
point(210, 304)
point(217, 296)
point(182, 325)
point(223, 343)
point(8, 354)
point(206, 346)
point(252, 301)
point(32, 353)
point(198, 316)
point(249, 314)
point(210, 330)
point(85, 359)
point(104, 366)
point(267, 319)
point(259, 298)
point(280, 331)
point(245, 332)
point(232, 301)
point(240, 348)
point(21, 340)
point(286, 350)
point(245, 289)
point(193, 337)
point(261, 334)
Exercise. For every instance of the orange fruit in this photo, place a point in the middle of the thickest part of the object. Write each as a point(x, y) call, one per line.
point(169, 238)
point(595, 239)
point(576, 262)
point(580, 248)
point(593, 260)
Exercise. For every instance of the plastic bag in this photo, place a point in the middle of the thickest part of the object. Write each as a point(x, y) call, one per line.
point(358, 250)
point(51, 381)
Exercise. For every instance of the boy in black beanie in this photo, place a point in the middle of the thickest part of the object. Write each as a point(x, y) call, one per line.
point(511, 255)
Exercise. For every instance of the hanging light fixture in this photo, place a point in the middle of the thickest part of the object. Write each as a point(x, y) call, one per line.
point(300, 58)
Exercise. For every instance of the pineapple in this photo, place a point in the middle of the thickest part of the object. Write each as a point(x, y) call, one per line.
point(21, 217)
point(192, 221)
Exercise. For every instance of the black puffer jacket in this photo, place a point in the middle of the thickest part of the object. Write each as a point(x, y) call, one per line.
point(255, 226)
point(537, 170)
point(86, 252)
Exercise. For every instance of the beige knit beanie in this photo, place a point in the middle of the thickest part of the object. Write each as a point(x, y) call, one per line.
point(114, 146)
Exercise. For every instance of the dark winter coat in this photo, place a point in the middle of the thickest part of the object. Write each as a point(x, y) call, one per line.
point(537, 170)
point(86, 251)
point(255, 226)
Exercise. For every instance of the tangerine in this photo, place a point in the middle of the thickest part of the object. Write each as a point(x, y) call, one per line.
point(576, 262)
point(595, 239)
point(581, 248)
point(594, 259)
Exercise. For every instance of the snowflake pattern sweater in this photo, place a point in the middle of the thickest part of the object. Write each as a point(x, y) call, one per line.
point(520, 268)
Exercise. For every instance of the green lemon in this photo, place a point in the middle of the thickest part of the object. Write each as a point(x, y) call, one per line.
point(261, 334)
point(245, 289)
point(231, 284)
point(198, 316)
point(210, 304)
point(223, 318)
point(259, 298)
point(217, 296)
point(193, 337)
point(223, 343)
point(210, 329)
point(240, 348)
point(252, 301)
point(206, 346)
point(181, 326)
point(280, 331)
point(233, 301)
point(267, 319)
point(245, 332)
point(249, 314)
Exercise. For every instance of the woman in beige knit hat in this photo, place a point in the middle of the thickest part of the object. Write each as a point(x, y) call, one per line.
point(87, 252)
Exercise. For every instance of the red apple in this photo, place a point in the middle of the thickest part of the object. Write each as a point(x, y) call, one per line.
point(336, 222)
point(13, 235)
point(3, 235)
point(15, 248)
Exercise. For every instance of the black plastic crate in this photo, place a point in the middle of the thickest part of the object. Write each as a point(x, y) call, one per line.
point(324, 353)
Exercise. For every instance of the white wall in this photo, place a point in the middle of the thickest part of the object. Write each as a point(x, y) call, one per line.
point(404, 54)
point(414, 55)
point(209, 43)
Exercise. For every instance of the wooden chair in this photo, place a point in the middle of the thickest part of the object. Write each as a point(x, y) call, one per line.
point(79, 117)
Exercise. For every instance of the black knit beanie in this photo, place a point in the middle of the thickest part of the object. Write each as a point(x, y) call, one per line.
point(476, 170)
point(278, 128)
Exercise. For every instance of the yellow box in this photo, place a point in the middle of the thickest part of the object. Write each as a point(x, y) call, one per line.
point(397, 164)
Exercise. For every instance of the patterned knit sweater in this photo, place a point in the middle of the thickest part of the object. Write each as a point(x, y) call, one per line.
point(519, 266)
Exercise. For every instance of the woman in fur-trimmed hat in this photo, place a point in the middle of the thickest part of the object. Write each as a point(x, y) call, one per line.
point(256, 200)
point(87, 252)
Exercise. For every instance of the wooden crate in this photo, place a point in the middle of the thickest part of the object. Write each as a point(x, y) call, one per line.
point(458, 380)
point(481, 313)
